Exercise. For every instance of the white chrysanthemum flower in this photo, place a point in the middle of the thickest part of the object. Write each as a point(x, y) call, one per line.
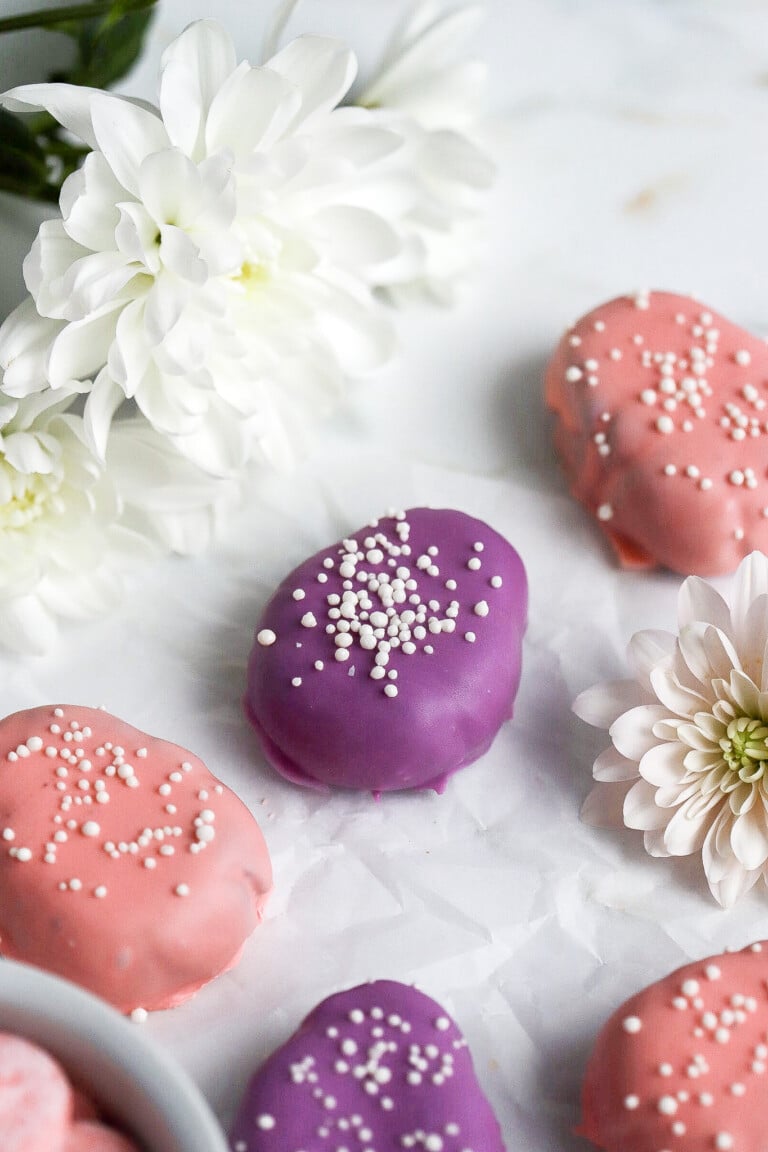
point(214, 254)
point(436, 94)
point(63, 551)
point(690, 734)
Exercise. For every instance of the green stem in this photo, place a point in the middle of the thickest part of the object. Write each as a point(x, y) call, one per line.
point(47, 18)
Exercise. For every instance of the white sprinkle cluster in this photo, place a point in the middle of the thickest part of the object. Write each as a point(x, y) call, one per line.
point(85, 775)
point(373, 1048)
point(390, 601)
point(679, 392)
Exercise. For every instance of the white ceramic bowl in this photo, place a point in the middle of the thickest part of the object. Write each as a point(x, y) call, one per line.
point(139, 1087)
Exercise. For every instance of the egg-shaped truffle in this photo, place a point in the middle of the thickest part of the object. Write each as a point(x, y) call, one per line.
point(660, 424)
point(380, 1066)
point(682, 1064)
point(125, 865)
point(391, 659)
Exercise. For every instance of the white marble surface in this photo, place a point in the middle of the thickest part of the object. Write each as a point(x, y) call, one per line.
point(630, 139)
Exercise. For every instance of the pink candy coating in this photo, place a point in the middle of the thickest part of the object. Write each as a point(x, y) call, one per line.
point(661, 423)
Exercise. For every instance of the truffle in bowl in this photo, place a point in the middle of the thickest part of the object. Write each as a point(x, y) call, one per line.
point(135, 1088)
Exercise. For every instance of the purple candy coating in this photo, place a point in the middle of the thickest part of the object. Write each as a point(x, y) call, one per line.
point(361, 682)
point(378, 1068)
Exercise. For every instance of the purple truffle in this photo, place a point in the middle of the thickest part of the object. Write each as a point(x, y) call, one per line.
point(380, 1067)
point(390, 660)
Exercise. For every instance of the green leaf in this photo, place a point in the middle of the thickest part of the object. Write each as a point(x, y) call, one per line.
point(109, 46)
point(35, 157)
point(23, 165)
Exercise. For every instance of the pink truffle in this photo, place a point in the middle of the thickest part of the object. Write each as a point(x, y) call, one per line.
point(682, 1065)
point(391, 659)
point(661, 425)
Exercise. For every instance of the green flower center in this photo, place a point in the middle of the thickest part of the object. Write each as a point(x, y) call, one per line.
point(30, 494)
point(745, 748)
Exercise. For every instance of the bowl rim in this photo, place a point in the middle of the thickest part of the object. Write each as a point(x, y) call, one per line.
point(33, 1001)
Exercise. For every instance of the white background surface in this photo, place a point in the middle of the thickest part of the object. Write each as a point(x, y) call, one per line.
point(631, 139)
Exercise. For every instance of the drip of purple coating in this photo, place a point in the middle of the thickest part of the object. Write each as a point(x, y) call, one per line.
point(391, 659)
point(378, 1068)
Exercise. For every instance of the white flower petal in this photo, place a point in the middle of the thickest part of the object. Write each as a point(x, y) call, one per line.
point(673, 694)
point(353, 141)
point(138, 237)
point(181, 255)
point(691, 735)
point(70, 104)
point(103, 401)
point(713, 729)
point(322, 69)
point(641, 810)
point(429, 33)
point(194, 67)
point(80, 349)
point(750, 582)
point(663, 764)
point(647, 649)
point(170, 187)
point(734, 884)
point(360, 336)
point(93, 281)
point(698, 600)
point(51, 254)
point(126, 134)
point(686, 831)
point(219, 446)
point(611, 766)
point(130, 353)
point(672, 795)
point(354, 237)
point(744, 693)
point(632, 732)
point(88, 202)
point(653, 842)
point(449, 156)
point(707, 652)
point(25, 337)
point(602, 704)
point(604, 806)
point(702, 762)
point(251, 111)
point(162, 308)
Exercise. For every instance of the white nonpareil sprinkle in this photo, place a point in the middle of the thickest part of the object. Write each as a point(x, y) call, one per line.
point(266, 637)
point(605, 512)
point(182, 889)
point(632, 1024)
point(90, 828)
